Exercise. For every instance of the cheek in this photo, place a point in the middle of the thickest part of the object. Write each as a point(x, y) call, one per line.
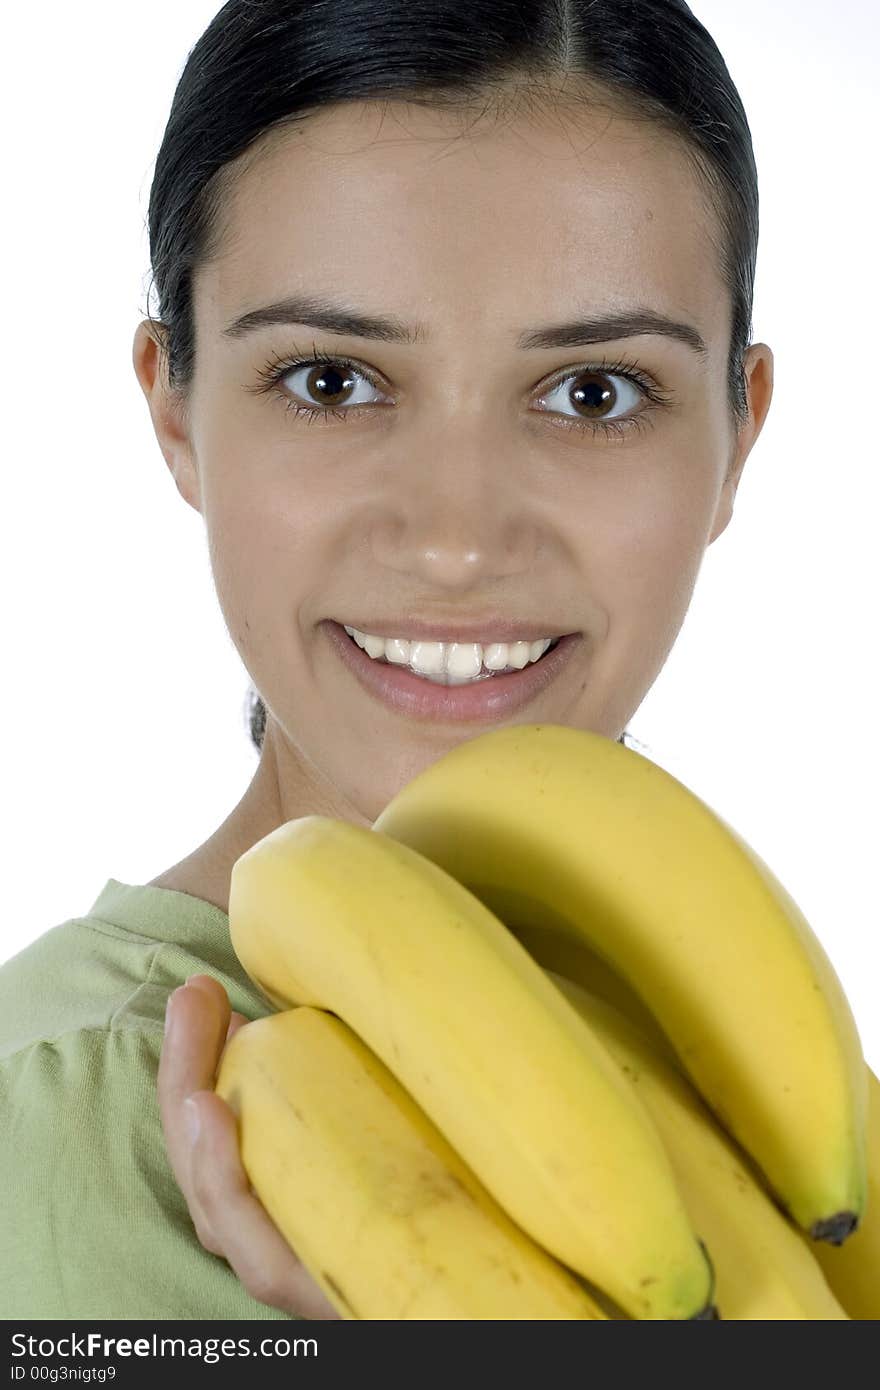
point(647, 563)
point(254, 555)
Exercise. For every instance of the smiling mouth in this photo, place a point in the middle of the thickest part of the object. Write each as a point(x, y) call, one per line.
point(444, 677)
point(433, 697)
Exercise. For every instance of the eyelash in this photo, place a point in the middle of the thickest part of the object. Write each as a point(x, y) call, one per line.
point(277, 368)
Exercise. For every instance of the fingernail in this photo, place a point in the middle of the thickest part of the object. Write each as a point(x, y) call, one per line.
point(168, 1010)
point(193, 1123)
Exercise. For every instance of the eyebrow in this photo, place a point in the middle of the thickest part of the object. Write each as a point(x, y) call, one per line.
point(320, 312)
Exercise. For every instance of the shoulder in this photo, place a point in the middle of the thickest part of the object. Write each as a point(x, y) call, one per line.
point(78, 976)
point(113, 968)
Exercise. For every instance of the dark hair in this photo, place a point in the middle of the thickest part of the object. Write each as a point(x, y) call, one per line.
point(264, 64)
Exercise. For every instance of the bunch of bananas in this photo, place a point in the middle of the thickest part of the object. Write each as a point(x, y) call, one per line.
point(552, 1042)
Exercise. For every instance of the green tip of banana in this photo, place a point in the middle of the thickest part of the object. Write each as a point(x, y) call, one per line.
point(710, 1311)
point(835, 1229)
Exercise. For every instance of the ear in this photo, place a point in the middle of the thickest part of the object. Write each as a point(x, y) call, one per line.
point(168, 408)
point(758, 371)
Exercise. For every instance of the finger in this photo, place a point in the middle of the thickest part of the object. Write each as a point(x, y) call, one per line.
point(210, 986)
point(196, 1022)
point(242, 1229)
point(236, 1021)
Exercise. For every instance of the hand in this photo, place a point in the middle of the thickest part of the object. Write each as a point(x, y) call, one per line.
point(229, 1219)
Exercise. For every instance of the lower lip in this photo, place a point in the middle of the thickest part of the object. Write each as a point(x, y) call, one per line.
point(481, 703)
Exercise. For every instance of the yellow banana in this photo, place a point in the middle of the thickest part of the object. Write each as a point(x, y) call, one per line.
point(764, 1268)
point(853, 1269)
point(565, 828)
point(326, 913)
point(564, 955)
point(380, 1209)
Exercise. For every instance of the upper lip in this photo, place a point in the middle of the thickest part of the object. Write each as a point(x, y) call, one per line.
point(483, 630)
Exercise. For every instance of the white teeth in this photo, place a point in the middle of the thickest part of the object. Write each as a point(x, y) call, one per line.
point(495, 656)
point(463, 660)
point(395, 649)
point(451, 663)
point(427, 658)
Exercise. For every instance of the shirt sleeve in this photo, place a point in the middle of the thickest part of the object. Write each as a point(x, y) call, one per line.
point(94, 1224)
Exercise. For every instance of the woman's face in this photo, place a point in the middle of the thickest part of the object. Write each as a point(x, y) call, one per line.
point(448, 487)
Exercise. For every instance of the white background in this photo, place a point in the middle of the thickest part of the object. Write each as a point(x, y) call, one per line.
point(122, 719)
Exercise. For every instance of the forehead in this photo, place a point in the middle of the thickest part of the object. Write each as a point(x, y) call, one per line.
point(494, 223)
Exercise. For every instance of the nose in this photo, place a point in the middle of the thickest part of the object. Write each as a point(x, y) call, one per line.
point(455, 516)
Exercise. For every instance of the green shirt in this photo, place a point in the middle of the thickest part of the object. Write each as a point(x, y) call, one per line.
point(93, 1223)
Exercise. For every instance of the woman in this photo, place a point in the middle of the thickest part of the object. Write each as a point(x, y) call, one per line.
point(453, 347)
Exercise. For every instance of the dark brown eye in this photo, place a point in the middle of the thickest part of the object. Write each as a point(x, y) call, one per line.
point(329, 384)
point(594, 395)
